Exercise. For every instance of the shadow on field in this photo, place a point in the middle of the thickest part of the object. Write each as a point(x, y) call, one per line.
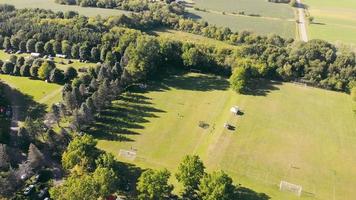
point(197, 82)
point(261, 87)
point(248, 194)
point(123, 117)
point(24, 104)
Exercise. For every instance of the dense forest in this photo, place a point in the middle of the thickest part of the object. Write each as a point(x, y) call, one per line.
point(126, 54)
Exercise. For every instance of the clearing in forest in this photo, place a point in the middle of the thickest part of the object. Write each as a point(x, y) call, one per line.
point(287, 132)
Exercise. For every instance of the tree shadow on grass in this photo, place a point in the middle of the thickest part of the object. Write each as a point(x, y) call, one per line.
point(124, 117)
point(24, 105)
point(261, 87)
point(196, 82)
point(244, 193)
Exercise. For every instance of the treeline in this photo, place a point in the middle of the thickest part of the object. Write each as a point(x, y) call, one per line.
point(129, 5)
point(95, 174)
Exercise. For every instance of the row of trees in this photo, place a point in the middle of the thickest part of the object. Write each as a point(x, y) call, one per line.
point(37, 68)
point(197, 184)
point(129, 5)
point(95, 174)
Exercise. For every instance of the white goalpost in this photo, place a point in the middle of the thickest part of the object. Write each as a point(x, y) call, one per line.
point(290, 187)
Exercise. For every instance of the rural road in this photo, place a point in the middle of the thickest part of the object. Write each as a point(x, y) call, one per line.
point(301, 22)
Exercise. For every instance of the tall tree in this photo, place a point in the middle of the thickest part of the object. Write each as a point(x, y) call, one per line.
point(190, 172)
point(153, 185)
point(217, 185)
point(31, 45)
point(35, 156)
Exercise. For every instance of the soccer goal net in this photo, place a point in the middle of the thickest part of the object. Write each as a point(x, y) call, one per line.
point(290, 187)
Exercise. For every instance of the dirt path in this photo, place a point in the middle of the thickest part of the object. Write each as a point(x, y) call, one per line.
point(301, 22)
point(50, 95)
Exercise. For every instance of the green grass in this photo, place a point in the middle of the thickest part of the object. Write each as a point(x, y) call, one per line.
point(40, 91)
point(259, 25)
point(335, 21)
point(50, 4)
point(189, 37)
point(287, 132)
point(262, 7)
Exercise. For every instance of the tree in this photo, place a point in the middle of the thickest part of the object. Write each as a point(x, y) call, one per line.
point(44, 71)
point(70, 101)
point(110, 59)
point(95, 54)
point(105, 180)
point(13, 59)
point(7, 67)
point(25, 70)
point(34, 71)
point(7, 43)
point(93, 186)
point(190, 171)
point(15, 42)
point(238, 79)
point(31, 45)
point(22, 46)
point(66, 48)
point(48, 48)
point(20, 61)
point(70, 73)
point(56, 76)
point(153, 185)
point(57, 47)
point(75, 51)
point(81, 151)
point(35, 156)
point(39, 47)
point(84, 52)
point(217, 185)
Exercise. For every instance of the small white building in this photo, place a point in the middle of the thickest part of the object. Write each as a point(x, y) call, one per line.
point(235, 110)
point(61, 56)
point(35, 55)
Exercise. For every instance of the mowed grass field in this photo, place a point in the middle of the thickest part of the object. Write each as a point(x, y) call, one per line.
point(287, 132)
point(40, 91)
point(50, 4)
point(274, 18)
point(262, 7)
point(335, 21)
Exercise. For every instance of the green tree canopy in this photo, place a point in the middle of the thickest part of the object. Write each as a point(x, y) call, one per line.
point(153, 185)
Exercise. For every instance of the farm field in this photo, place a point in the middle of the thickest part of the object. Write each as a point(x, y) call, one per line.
point(50, 4)
point(262, 7)
point(40, 91)
point(259, 25)
point(287, 132)
point(335, 21)
point(274, 18)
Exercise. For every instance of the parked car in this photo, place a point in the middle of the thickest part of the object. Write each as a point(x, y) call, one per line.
point(28, 190)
